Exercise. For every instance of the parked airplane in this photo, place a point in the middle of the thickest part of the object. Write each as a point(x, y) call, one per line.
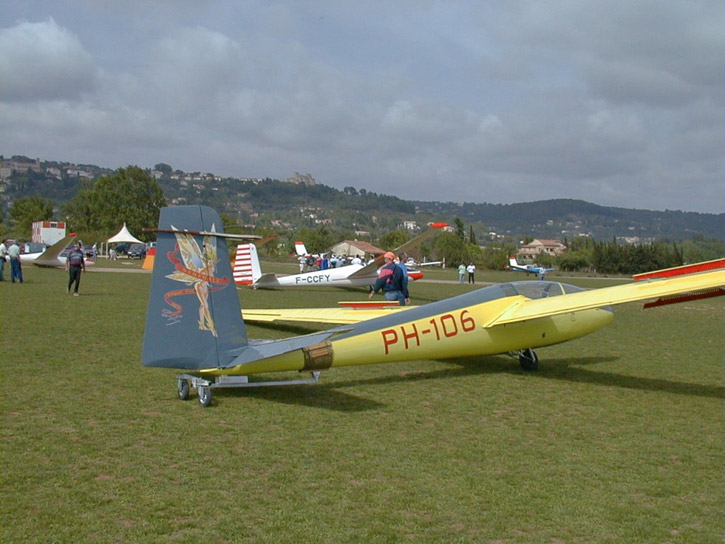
point(247, 270)
point(412, 263)
point(53, 256)
point(540, 271)
point(194, 323)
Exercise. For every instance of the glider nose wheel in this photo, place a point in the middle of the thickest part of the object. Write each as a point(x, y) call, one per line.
point(528, 359)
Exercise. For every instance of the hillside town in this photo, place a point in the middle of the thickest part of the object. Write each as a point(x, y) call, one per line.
point(299, 201)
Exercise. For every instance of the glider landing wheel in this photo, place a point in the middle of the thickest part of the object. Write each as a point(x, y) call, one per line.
point(204, 396)
point(528, 360)
point(183, 387)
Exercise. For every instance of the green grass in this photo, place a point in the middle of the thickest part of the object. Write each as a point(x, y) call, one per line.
point(617, 438)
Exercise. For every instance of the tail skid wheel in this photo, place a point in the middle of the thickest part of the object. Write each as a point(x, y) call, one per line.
point(528, 360)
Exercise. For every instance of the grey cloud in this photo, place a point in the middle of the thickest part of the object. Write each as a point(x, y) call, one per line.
point(515, 101)
point(42, 61)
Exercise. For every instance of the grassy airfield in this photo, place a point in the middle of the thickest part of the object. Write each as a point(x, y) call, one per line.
point(617, 438)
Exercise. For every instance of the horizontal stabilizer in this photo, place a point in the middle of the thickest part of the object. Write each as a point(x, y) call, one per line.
point(267, 280)
point(259, 351)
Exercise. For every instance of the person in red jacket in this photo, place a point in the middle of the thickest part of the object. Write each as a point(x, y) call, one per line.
point(392, 281)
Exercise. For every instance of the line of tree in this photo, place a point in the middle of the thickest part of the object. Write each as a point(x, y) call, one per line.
point(129, 195)
point(584, 254)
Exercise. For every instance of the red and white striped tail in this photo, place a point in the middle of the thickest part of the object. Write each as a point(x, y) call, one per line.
point(243, 270)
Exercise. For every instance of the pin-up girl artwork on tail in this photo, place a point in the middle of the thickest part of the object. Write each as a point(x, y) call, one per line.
point(195, 267)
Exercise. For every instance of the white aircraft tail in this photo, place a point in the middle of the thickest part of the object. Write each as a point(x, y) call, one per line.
point(300, 248)
point(513, 262)
point(246, 265)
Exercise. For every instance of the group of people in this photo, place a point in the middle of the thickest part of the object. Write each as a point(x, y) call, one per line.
point(11, 254)
point(75, 264)
point(311, 263)
point(470, 270)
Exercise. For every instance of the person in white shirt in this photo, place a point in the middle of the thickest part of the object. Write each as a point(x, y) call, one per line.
point(16, 270)
point(471, 269)
point(3, 256)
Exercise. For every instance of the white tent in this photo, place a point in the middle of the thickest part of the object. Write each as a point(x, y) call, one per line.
point(123, 235)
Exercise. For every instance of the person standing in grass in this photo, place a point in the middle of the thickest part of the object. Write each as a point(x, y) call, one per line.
point(16, 269)
point(471, 269)
point(75, 264)
point(461, 273)
point(391, 281)
point(3, 256)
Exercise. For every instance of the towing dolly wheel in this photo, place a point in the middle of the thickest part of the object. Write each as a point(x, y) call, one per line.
point(204, 396)
point(183, 386)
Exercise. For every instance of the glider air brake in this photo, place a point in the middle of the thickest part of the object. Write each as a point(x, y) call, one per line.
point(194, 318)
point(247, 270)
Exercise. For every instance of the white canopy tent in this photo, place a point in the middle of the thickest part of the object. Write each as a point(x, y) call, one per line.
point(123, 235)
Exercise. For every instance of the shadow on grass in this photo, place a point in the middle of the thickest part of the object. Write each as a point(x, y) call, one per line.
point(570, 370)
point(313, 395)
point(329, 395)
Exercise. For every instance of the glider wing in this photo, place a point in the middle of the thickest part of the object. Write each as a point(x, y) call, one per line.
point(609, 296)
point(339, 316)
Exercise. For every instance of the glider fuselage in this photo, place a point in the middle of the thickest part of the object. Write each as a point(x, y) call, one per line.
point(441, 330)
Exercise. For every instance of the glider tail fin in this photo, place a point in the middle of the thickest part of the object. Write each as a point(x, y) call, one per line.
point(50, 256)
point(193, 320)
point(300, 249)
point(246, 265)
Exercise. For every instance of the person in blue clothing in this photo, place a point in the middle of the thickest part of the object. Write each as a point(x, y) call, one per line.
point(392, 282)
point(16, 267)
point(75, 264)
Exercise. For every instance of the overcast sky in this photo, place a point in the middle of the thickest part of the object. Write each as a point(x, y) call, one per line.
point(617, 103)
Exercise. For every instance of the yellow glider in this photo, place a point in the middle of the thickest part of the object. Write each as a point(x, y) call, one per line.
point(193, 321)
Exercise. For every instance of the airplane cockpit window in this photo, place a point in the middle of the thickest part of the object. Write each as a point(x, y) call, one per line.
point(539, 289)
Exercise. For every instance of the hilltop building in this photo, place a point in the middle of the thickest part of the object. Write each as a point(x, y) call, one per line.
point(301, 179)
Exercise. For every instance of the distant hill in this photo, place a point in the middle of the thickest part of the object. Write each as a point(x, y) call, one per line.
point(561, 218)
point(289, 205)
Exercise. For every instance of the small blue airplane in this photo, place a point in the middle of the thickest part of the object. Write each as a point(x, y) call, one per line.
point(540, 271)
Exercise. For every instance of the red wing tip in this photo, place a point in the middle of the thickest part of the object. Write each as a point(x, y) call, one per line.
point(681, 270)
point(369, 305)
